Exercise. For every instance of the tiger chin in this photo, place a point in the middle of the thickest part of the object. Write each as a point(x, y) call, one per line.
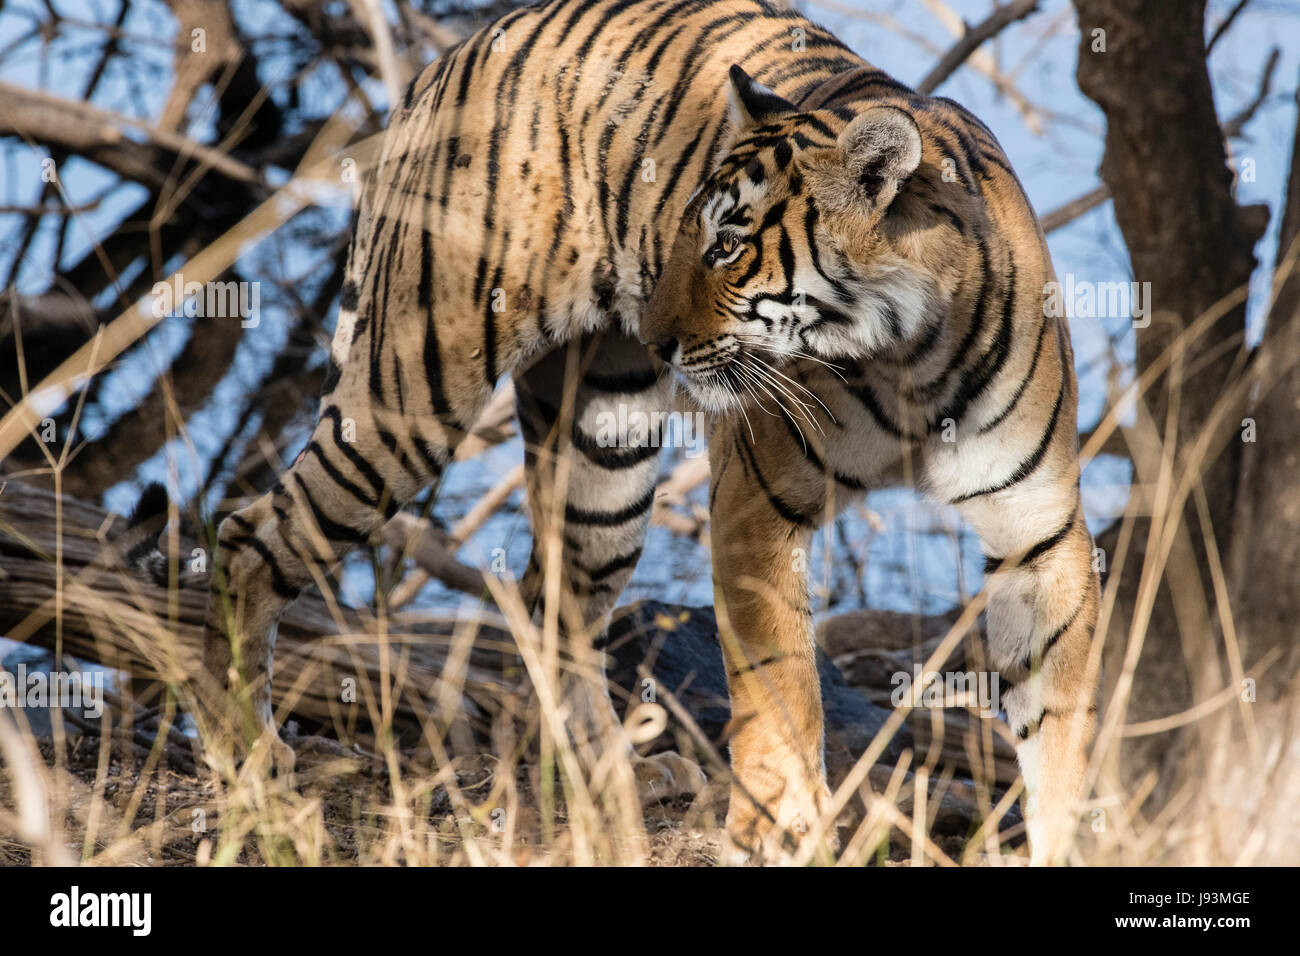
point(847, 272)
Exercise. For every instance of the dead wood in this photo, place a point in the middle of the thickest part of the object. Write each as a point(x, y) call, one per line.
point(114, 618)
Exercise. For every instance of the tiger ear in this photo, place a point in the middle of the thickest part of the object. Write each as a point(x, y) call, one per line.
point(751, 103)
point(870, 163)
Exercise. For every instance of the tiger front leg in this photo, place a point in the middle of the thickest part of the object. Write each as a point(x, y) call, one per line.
point(765, 624)
point(1042, 610)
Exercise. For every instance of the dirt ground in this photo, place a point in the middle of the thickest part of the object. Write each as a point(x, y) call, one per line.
point(168, 819)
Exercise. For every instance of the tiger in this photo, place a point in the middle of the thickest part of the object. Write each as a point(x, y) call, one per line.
point(627, 204)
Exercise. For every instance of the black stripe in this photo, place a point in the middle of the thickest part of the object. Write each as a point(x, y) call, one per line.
point(952, 217)
point(1024, 384)
point(1043, 714)
point(857, 88)
point(379, 308)
point(611, 458)
point(608, 519)
point(332, 375)
point(390, 442)
point(1033, 658)
point(848, 481)
point(242, 523)
point(992, 564)
point(785, 251)
point(506, 97)
point(1030, 464)
point(867, 399)
point(333, 530)
point(565, 213)
point(614, 565)
point(822, 65)
point(467, 70)
point(1057, 634)
point(348, 297)
point(279, 582)
point(810, 237)
point(927, 341)
point(750, 668)
point(685, 66)
point(428, 453)
point(490, 373)
point(720, 472)
point(338, 477)
point(623, 203)
point(355, 457)
point(779, 506)
point(975, 327)
point(624, 383)
point(827, 314)
point(990, 363)
point(432, 359)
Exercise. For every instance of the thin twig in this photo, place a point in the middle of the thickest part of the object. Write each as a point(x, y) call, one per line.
point(1222, 28)
point(975, 37)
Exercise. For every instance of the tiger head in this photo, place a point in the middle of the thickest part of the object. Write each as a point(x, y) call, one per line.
point(804, 242)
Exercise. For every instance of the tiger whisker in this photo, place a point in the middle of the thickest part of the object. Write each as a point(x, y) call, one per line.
point(772, 374)
point(805, 410)
point(773, 370)
point(724, 379)
point(783, 408)
point(750, 380)
point(752, 374)
point(758, 343)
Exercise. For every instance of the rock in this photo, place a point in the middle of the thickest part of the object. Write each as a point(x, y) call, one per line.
point(870, 646)
point(679, 646)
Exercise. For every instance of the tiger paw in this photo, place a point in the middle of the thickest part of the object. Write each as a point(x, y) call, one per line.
point(269, 756)
point(283, 759)
point(666, 775)
point(776, 836)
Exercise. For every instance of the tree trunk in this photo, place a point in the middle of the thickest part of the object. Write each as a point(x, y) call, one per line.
point(1265, 551)
point(1166, 167)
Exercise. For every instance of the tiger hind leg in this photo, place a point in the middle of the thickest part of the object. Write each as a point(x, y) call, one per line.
point(353, 476)
point(598, 528)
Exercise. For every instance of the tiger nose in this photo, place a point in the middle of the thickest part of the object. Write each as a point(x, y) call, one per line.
point(663, 349)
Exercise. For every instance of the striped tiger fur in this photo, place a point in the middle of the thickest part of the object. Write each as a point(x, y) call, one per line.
point(855, 260)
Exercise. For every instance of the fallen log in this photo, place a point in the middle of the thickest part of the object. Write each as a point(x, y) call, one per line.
point(62, 587)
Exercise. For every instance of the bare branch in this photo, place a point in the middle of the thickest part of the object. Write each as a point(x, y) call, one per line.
point(1075, 208)
point(433, 549)
point(975, 37)
point(99, 136)
point(1234, 126)
point(1222, 28)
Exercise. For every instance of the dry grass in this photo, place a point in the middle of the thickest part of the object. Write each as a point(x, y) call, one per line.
point(472, 763)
